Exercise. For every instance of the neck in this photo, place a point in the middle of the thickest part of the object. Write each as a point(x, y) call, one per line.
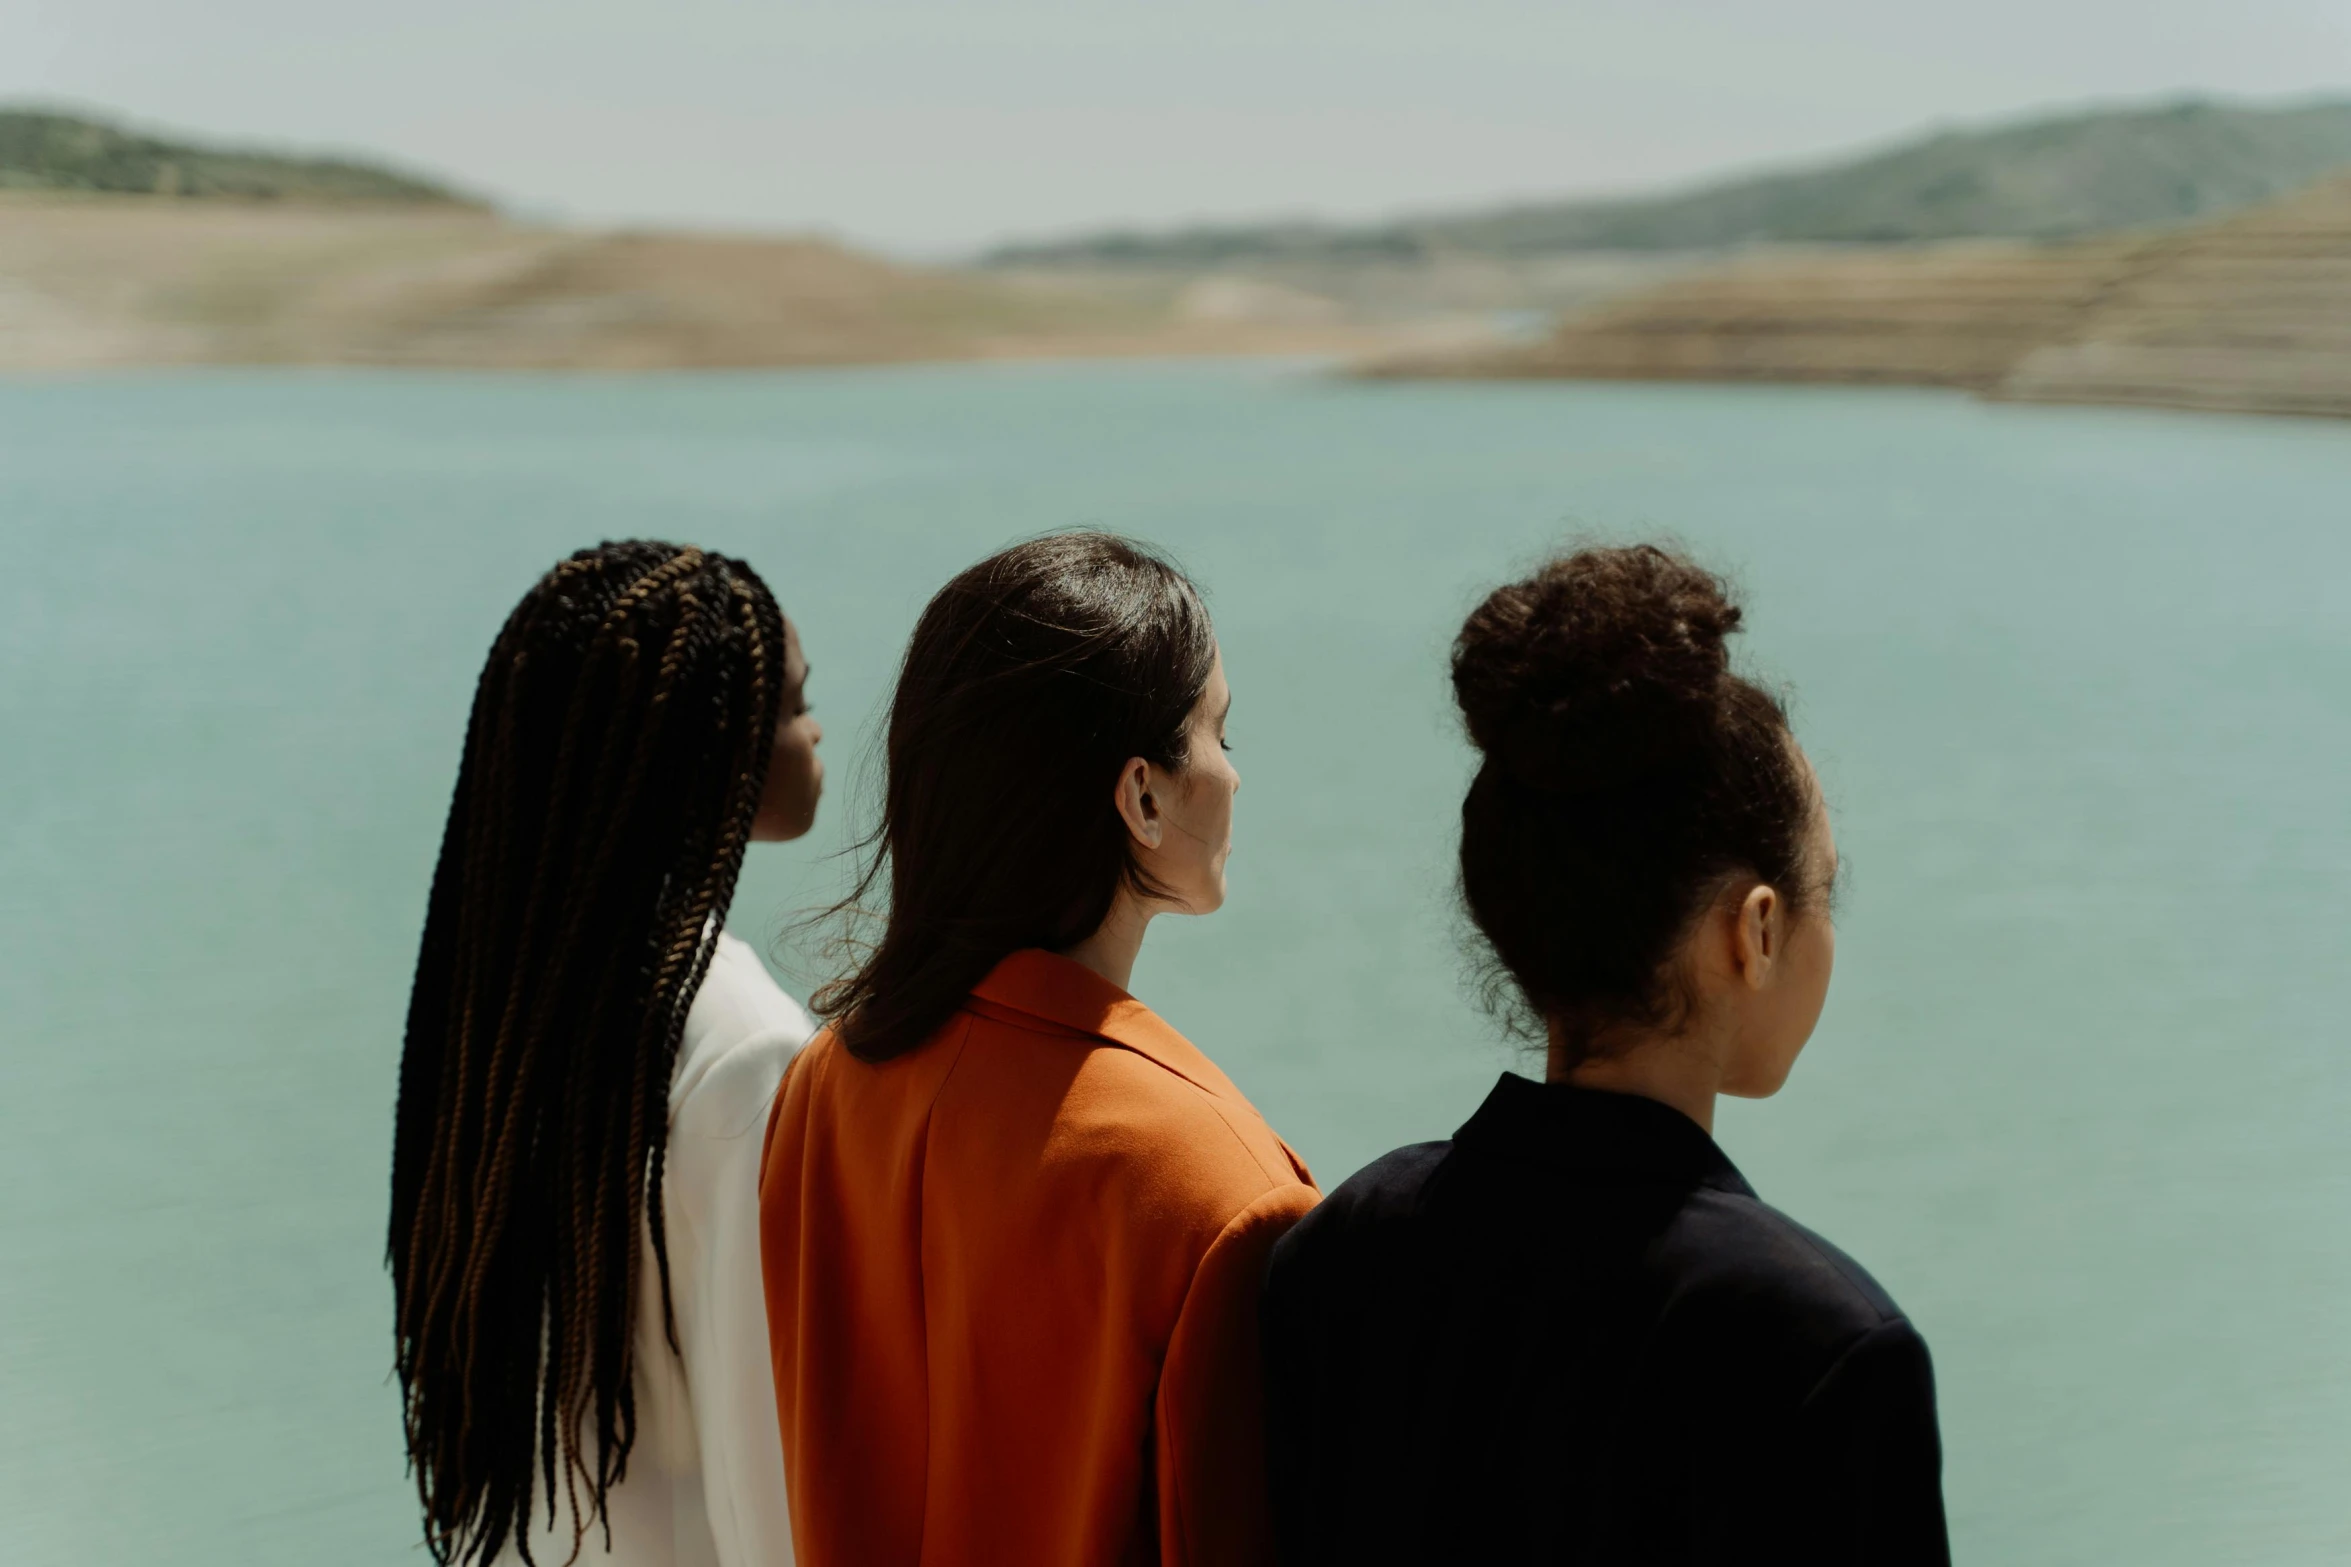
point(1674, 1070)
point(1112, 950)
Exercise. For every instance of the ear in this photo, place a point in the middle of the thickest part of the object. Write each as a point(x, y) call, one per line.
point(1136, 807)
point(1756, 934)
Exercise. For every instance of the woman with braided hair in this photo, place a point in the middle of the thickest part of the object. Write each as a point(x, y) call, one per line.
point(574, 1248)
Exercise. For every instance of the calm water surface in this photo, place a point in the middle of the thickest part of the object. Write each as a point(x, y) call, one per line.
point(2080, 683)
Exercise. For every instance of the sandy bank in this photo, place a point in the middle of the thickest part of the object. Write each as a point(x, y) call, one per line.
point(120, 281)
point(2252, 313)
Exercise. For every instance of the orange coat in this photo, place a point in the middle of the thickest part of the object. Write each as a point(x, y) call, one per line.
point(1012, 1285)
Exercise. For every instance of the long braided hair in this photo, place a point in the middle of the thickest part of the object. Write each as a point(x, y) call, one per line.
point(613, 767)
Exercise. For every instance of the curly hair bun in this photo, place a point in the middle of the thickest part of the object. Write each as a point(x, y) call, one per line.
point(1597, 669)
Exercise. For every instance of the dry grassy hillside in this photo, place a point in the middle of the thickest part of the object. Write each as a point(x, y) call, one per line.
point(1947, 316)
point(2252, 313)
point(107, 280)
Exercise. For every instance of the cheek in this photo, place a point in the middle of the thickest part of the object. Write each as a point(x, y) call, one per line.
point(1205, 819)
point(1812, 994)
point(1220, 804)
point(794, 770)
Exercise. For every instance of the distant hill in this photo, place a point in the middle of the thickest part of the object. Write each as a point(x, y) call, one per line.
point(45, 151)
point(2045, 178)
point(92, 279)
point(2250, 313)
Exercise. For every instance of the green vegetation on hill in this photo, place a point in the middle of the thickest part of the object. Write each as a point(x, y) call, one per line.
point(2045, 178)
point(43, 151)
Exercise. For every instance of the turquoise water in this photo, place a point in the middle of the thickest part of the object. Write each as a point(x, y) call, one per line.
point(2079, 681)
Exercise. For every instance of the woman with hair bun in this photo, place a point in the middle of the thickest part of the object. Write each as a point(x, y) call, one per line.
point(1574, 1333)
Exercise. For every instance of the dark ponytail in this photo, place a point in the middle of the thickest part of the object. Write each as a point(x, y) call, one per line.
point(1031, 679)
point(1627, 774)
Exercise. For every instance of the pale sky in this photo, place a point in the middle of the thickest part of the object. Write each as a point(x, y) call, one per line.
point(929, 128)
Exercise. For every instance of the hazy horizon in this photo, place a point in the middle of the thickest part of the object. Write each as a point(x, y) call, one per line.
point(929, 130)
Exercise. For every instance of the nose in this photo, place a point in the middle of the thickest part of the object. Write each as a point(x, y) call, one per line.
point(815, 732)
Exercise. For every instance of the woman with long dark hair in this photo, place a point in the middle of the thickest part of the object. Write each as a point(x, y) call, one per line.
point(1573, 1333)
point(589, 1058)
point(1014, 1224)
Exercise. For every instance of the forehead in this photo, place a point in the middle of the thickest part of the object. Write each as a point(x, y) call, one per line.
point(795, 661)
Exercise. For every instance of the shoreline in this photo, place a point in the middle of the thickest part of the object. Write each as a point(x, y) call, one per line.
point(93, 281)
point(2250, 314)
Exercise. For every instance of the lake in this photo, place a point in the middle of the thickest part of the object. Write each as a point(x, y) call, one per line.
point(2079, 683)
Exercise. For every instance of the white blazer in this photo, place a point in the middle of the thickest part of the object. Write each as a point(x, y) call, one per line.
point(705, 1482)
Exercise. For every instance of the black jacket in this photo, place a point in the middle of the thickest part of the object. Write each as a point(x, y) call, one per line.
point(1574, 1334)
